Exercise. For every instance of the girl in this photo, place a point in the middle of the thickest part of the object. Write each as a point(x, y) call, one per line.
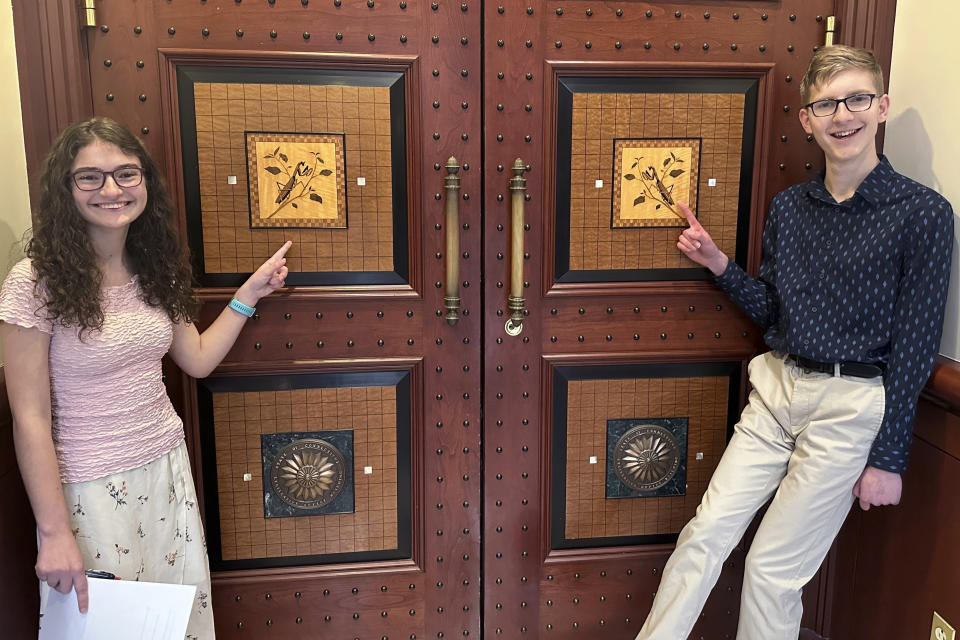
point(104, 293)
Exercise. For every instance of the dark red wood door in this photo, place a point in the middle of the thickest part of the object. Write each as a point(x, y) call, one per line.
point(491, 495)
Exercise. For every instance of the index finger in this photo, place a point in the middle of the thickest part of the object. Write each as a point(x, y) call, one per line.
point(691, 218)
point(83, 597)
point(282, 251)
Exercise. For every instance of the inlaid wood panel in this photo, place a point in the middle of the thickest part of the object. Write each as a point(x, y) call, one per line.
point(598, 120)
point(226, 111)
point(239, 418)
point(591, 403)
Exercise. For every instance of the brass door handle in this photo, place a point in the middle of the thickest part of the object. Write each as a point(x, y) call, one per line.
point(515, 300)
point(451, 185)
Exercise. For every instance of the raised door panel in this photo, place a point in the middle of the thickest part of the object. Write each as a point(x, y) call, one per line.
point(609, 409)
point(337, 448)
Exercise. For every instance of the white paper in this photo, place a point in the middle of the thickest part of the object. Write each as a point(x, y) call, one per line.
point(120, 610)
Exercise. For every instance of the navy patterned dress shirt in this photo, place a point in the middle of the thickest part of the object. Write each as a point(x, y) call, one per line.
point(864, 280)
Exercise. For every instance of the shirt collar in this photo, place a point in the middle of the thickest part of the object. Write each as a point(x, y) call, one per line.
point(874, 188)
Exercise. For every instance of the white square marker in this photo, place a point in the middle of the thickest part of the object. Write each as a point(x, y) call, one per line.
point(711, 182)
point(699, 455)
point(361, 182)
point(367, 471)
point(593, 459)
point(231, 179)
point(247, 477)
point(598, 184)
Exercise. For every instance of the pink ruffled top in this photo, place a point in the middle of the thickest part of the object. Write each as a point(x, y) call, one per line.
point(110, 407)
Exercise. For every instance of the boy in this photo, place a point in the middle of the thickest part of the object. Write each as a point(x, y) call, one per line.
point(850, 294)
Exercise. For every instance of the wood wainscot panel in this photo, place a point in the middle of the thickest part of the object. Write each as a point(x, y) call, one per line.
point(896, 565)
point(18, 542)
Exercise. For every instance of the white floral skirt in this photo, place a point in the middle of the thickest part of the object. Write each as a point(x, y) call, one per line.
point(144, 524)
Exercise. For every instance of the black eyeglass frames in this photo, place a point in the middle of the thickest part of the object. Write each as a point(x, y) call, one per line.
point(828, 107)
point(94, 179)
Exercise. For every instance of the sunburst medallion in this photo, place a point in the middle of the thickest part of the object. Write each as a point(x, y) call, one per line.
point(646, 457)
point(308, 473)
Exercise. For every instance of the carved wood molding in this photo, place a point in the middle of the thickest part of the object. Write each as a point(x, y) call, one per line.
point(869, 24)
point(943, 387)
point(54, 80)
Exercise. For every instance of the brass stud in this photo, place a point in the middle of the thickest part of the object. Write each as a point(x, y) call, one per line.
point(435, 39)
point(529, 43)
point(463, 40)
point(500, 9)
point(403, 38)
point(588, 44)
point(736, 16)
point(104, 28)
point(763, 48)
point(434, 6)
point(109, 97)
point(764, 16)
point(619, 13)
point(239, 33)
point(306, 35)
point(617, 44)
point(589, 12)
point(529, 11)
point(706, 46)
point(171, 30)
point(793, 17)
point(559, 11)
point(789, 78)
point(370, 3)
point(464, 73)
point(108, 63)
point(647, 45)
point(677, 14)
point(339, 36)
point(463, 7)
point(706, 15)
point(499, 43)
point(790, 48)
point(144, 130)
point(649, 13)
point(371, 37)
point(138, 29)
point(733, 47)
point(558, 44)
point(676, 46)
point(499, 75)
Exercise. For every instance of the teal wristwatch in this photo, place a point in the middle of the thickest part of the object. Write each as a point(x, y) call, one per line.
point(239, 307)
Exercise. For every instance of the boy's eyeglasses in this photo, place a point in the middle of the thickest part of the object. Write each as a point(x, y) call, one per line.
point(858, 102)
point(94, 179)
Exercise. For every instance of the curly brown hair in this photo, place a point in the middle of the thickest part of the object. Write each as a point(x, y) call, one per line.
point(63, 256)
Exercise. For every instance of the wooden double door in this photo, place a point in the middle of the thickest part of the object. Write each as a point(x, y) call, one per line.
point(487, 315)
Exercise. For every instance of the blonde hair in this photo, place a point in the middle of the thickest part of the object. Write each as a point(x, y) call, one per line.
point(829, 62)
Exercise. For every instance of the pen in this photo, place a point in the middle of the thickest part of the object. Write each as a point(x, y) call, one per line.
point(106, 575)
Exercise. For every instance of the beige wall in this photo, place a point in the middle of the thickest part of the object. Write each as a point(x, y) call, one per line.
point(922, 138)
point(15, 212)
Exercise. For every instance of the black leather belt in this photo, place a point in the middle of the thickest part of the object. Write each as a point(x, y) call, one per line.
point(847, 368)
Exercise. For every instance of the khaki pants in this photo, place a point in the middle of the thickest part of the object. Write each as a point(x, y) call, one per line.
point(804, 440)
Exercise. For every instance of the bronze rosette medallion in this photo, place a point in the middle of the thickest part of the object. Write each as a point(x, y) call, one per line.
point(646, 457)
point(308, 473)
